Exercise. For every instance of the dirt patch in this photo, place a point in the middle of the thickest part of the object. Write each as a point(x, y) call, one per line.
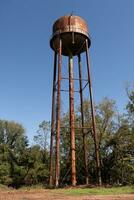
point(48, 195)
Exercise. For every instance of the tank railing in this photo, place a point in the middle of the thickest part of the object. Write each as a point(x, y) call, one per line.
point(70, 28)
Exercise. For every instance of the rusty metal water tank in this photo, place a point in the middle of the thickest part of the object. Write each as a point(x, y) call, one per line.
point(73, 32)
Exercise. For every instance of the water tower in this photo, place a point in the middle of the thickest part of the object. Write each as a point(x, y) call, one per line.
point(70, 39)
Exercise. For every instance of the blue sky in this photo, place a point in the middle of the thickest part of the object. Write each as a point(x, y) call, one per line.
point(26, 60)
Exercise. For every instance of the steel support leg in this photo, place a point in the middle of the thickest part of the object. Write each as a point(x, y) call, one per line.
point(93, 117)
point(72, 130)
point(82, 120)
point(58, 110)
point(53, 121)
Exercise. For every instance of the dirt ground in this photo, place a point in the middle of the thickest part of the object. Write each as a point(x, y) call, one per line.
point(49, 195)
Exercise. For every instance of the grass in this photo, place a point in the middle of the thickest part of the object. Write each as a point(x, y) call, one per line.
point(3, 187)
point(77, 191)
point(98, 191)
point(32, 187)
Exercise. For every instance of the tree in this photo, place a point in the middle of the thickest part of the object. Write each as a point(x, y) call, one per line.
point(43, 135)
point(121, 154)
point(130, 105)
point(13, 135)
point(106, 126)
point(33, 168)
point(13, 142)
point(42, 140)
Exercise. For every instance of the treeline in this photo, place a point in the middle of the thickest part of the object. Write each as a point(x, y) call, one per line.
point(21, 164)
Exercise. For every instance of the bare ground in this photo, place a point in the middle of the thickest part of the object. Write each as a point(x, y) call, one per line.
point(52, 195)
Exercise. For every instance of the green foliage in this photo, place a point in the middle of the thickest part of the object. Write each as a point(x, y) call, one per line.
point(115, 139)
point(5, 174)
point(130, 105)
point(43, 134)
point(21, 164)
point(37, 168)
point(12, 143)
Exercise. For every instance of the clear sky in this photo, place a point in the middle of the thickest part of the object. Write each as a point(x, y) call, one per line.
point(26, 60)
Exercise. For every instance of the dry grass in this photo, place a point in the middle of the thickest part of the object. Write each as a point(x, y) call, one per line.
point(60, 194)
